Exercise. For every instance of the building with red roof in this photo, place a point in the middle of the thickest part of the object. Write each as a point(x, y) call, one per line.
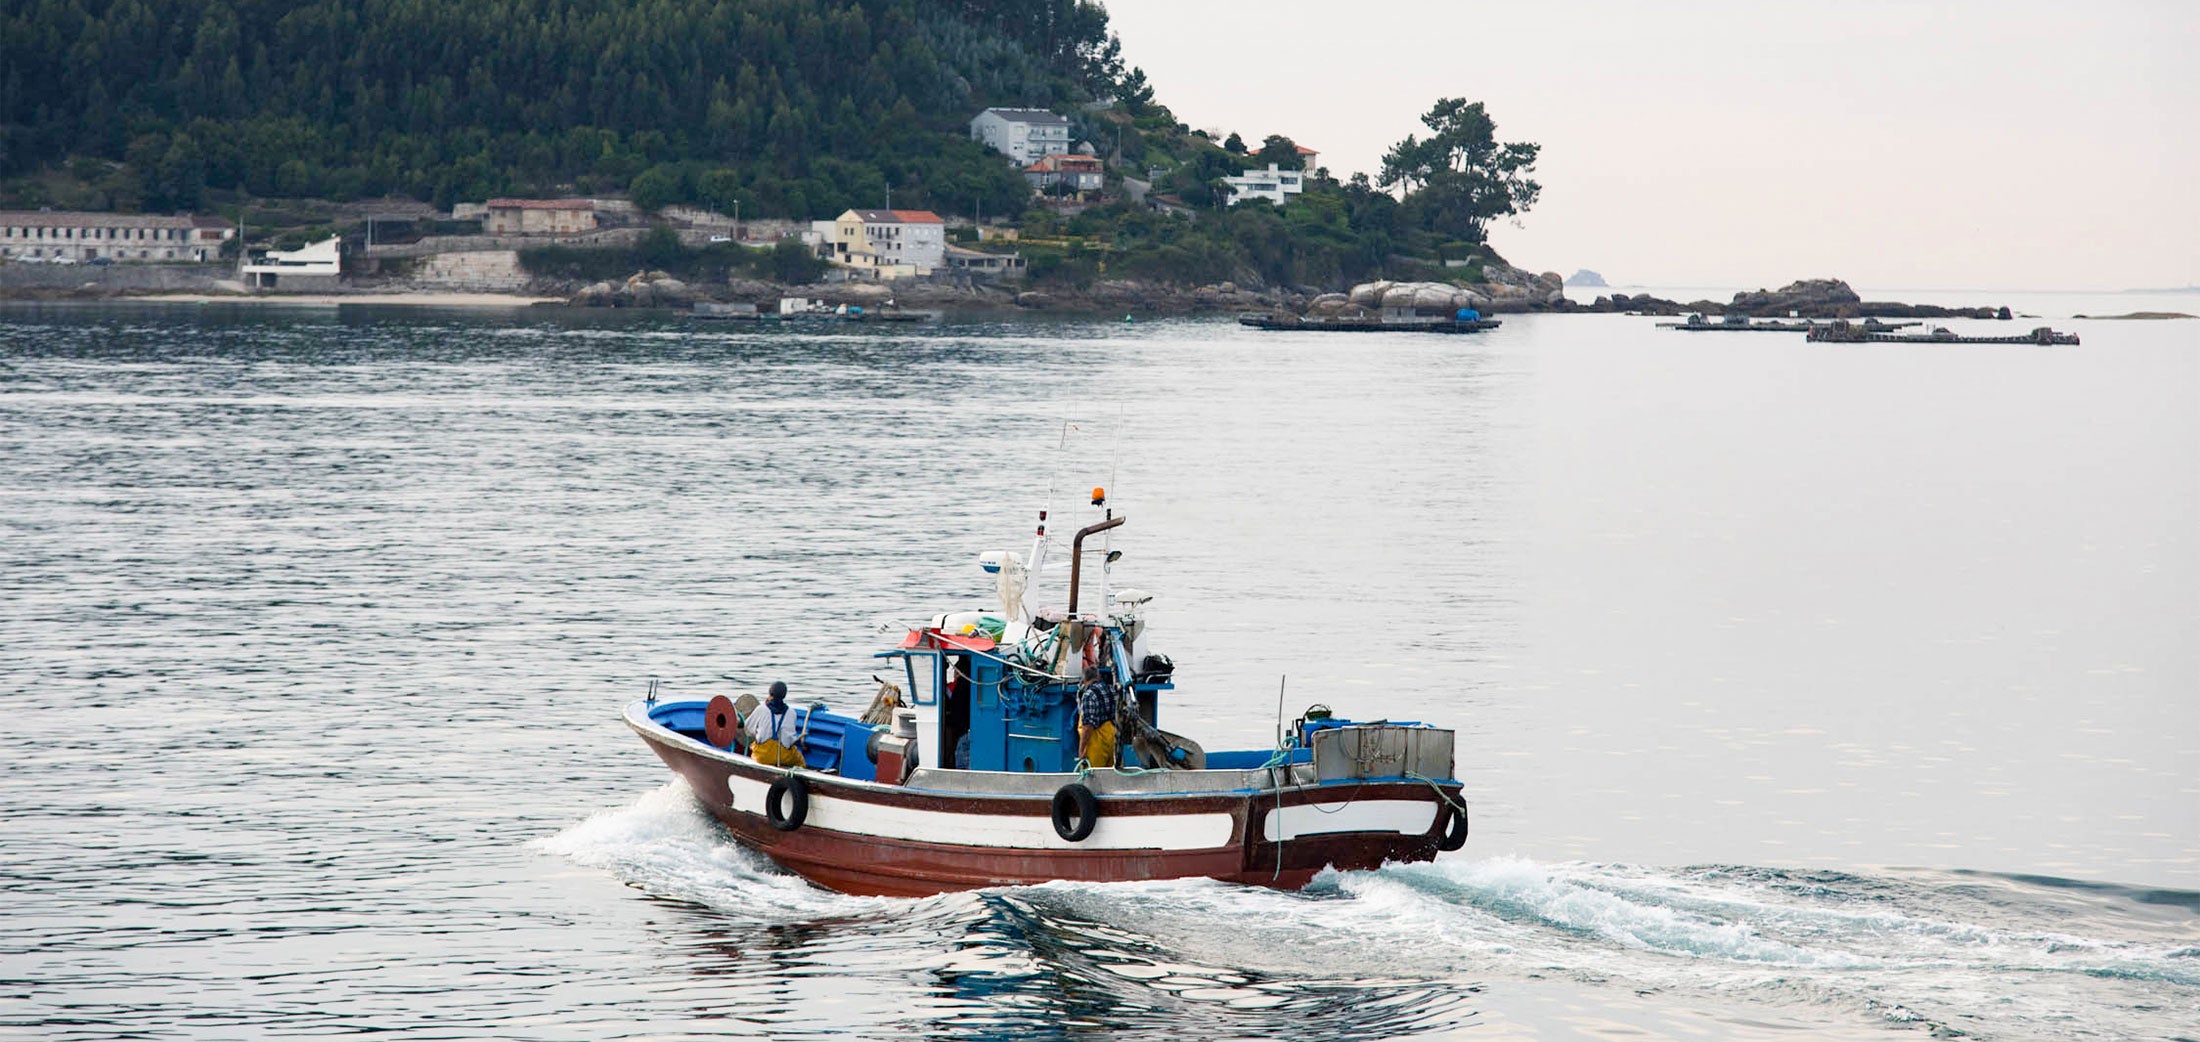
point(888, 243)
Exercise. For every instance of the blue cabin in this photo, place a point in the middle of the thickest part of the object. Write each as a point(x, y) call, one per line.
point(978, 710)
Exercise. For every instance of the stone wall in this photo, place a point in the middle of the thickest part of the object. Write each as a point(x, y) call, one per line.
point(121, 278)
point(479, 270)
point(468, 243)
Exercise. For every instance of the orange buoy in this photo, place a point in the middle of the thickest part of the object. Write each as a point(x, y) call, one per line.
point(720, 723)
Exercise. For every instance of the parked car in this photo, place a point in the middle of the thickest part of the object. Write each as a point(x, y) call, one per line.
point(101, 261)
point(61, 260)
point(715, 239)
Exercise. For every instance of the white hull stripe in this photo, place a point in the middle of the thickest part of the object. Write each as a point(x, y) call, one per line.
point(1204, 831)
point(1406, 817)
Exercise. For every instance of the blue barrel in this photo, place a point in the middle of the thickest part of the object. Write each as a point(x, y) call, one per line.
point(1468, 315)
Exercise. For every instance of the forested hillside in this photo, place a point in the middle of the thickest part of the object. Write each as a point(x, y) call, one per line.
point(777, 108)
point(792, 107)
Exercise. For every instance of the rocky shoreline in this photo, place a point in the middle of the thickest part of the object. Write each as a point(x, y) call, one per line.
point(1807, 298)
point(1504, 290)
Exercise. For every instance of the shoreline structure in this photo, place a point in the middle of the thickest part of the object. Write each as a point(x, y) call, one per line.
point(1508, 291)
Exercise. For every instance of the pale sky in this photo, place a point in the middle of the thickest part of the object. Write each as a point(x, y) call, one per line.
point(1995, 145)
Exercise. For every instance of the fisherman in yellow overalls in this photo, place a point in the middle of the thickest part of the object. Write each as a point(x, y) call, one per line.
point(1096, 737)
point(774, 732)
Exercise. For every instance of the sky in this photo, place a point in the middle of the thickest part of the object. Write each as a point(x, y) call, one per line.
point(2015, 145)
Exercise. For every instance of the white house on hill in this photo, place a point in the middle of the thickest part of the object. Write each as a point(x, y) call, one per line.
point(1024, 135)
point(1271, 184)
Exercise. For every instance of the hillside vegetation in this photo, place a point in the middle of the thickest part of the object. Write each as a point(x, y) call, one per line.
point(798, 107)
point(777, 108)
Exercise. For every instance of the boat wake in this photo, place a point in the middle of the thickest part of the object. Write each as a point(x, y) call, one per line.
point(1434, 948)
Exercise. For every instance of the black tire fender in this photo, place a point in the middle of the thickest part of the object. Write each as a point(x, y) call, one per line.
point(1075, 812)
point(797, 792)
point(1455, 828)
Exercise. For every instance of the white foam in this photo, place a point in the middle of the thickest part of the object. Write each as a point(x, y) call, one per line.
point(666, 843)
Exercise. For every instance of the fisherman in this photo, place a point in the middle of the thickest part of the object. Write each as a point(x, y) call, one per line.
point(1096, 702)
point(774, 731)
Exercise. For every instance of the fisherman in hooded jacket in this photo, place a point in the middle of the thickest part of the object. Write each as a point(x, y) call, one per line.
point(775, 731)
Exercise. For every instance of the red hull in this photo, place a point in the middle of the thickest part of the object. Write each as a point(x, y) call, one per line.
point(859, 863)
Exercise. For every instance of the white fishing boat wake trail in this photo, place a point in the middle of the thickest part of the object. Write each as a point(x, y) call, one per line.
point(1438, 948)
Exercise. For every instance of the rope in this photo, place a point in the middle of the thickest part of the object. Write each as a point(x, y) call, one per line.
point(1441, 795)
point(1020, 668)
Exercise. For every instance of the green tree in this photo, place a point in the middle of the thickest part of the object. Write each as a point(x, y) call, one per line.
point(794, 264)
point(1281, 151)
point(657, 187)
point(1461, 178)
point(660, 248)
point(1134, 92)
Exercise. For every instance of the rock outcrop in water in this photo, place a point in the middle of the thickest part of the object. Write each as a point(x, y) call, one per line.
point(1587, 278)
point(1805, 295)
point(1807, 298)
point(640, 290)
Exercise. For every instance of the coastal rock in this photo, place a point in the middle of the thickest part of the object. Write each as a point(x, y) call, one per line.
point(1033, 299)
point(1808, 296)
point(1370, 294)
point(1328, 304)
point(1588, 278)
point(860, 292)
point(1419, 296)
point(1645, 304)
point(1552, 286)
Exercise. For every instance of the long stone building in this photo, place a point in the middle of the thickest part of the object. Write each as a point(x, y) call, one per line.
point(59, 236)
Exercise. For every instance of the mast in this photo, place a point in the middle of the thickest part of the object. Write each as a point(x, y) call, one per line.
point(1077, 555)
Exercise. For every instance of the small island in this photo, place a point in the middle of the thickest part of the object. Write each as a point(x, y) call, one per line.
point(1824, 298)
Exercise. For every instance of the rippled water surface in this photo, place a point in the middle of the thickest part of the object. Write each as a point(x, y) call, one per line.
point(1802, 691)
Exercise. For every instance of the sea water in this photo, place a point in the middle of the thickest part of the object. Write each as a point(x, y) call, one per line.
point(1802, 691)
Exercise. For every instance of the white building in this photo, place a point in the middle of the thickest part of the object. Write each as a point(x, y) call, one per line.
point(1271, 184)
point(891, 243)
point(49, 236)
point(312, 266)
point(1024, 135)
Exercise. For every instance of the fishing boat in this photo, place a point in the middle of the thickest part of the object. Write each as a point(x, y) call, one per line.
point(969, 770)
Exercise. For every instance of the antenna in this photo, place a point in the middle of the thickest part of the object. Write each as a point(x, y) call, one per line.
point(1107, 542)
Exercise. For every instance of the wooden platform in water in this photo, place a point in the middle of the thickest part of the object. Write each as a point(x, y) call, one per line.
point(1696, 324)
point(1843, 333)
point(1366, 325)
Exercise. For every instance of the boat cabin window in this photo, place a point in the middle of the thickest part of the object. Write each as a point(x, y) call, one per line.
point(924, 677)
